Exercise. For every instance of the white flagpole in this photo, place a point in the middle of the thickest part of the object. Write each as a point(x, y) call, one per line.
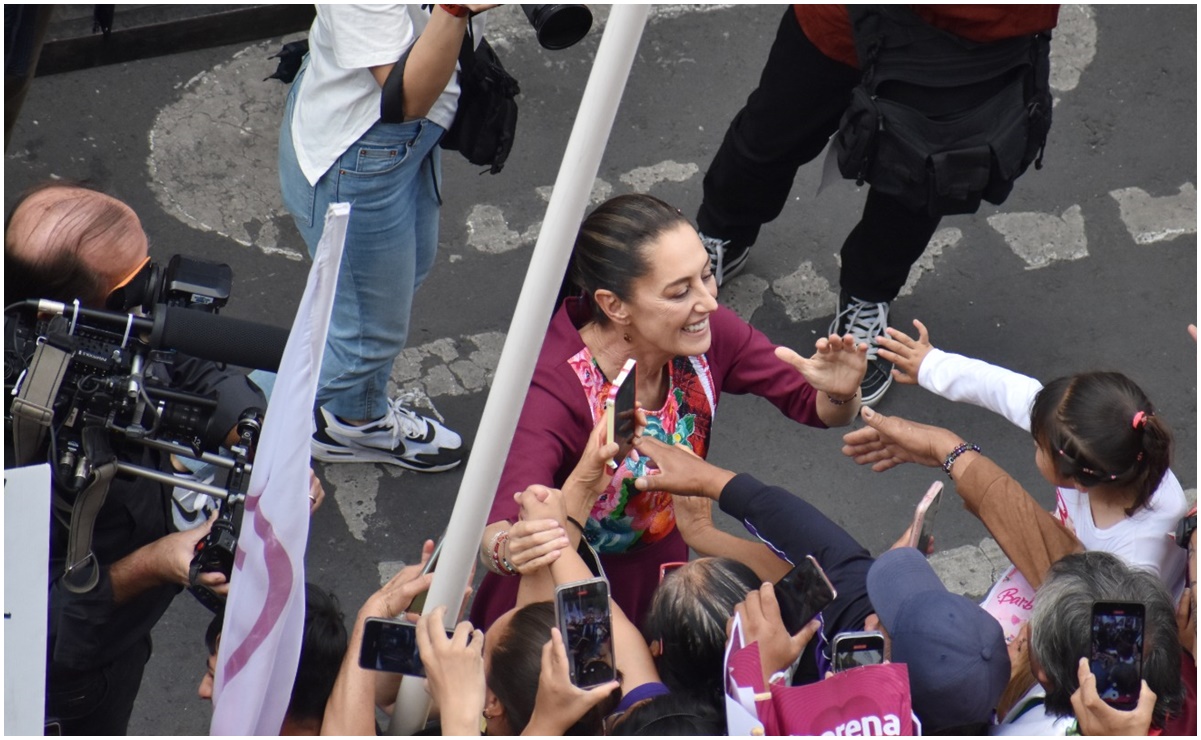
point(581, 162)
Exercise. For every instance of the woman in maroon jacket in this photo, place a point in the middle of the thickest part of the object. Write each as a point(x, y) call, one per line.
point(648, 293)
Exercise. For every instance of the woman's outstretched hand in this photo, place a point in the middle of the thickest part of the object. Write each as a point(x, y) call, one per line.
point(836, 368)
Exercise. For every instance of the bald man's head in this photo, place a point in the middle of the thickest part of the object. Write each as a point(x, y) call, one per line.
point(65, 242)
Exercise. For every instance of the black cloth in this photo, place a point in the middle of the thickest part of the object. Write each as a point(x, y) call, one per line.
point(96, 648)
point(786, 123)
point(796, 529)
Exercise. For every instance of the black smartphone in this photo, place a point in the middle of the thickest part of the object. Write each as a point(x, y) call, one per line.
point(854, 649)
point(391, 645)
point(619, 411)
point(921, 535)
point(1116, 654)
point(802, 593)
point(582, 612)
point(418, 604)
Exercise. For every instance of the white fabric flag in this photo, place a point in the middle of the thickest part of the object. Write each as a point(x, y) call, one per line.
point(264, 615)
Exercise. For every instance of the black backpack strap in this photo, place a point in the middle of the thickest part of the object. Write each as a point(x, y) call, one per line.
point(391, 101)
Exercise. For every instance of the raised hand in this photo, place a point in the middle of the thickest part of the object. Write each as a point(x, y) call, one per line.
point(454, 668)
point(905, 352)
point(890, 441)
point(535, 544)
point(1098, 718)
point(836, 368)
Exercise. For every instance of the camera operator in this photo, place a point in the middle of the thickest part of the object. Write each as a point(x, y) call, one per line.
point(65, 242)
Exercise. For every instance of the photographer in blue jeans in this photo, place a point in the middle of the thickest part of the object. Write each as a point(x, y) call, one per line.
point(334, 147)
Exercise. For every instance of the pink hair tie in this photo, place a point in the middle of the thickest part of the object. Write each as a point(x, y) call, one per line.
point(1140, 420)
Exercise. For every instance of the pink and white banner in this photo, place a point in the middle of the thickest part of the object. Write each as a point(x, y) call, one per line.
point(264, 615)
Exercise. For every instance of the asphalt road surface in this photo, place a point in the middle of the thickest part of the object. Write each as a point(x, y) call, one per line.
point(1090, 264)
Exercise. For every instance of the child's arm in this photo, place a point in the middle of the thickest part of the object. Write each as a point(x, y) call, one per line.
point(959, 378)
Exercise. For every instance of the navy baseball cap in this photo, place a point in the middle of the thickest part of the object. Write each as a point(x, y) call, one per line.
point(955, 651)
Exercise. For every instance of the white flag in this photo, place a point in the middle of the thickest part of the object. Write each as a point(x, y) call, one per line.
point(264, 615)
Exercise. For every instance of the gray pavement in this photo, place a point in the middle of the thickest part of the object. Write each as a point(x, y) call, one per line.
point(1090, 264)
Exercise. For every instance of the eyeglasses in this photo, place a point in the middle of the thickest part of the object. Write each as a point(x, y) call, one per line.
point(666, 568)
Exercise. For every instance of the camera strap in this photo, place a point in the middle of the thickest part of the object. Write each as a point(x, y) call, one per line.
point(33, 408)
point(83, 572)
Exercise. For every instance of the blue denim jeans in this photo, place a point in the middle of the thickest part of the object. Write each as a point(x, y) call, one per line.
point(389, 177)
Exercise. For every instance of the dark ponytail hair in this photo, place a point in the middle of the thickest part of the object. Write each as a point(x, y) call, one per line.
point(610, 249)
point(1099, 428)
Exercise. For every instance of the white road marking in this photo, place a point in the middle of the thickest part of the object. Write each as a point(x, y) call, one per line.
point(743, 294)
point(642, 179)
point(1042, 238)
point(1073, 46)
point(489, 232)
point(354, 488)
point(942, 240)
point(806, 295)
point(388, 569)
point(970, 570)
point(449, 367)
point(1150, 219)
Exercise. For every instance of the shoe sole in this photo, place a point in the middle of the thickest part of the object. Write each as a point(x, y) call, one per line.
point(327, 454)
point(876, 395)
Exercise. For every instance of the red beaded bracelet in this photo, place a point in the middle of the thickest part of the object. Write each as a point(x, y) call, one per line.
point(458, 11)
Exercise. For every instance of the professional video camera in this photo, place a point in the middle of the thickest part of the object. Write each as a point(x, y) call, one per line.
point(85, 385)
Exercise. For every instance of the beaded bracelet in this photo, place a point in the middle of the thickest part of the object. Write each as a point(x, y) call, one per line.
point(955, 453)
point(500, 566)
point(843, 402)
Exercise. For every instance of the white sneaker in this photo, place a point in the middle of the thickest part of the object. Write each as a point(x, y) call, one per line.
point(400, 437)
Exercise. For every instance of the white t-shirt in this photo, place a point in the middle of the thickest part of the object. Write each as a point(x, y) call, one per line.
point(339, 98)
point(1029, 717)
point(1141, 540)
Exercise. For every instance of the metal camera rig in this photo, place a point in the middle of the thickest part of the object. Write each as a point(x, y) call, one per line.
point(85, 386)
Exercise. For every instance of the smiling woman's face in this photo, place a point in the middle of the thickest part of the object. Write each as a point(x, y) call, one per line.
point(669, 307)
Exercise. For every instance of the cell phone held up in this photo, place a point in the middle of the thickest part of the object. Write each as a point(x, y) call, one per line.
point(855, 649)
point(921, 535)
point(391, 645)
point(619, 412)
point(582, 613)
point(1116, 652)
point(802, 593)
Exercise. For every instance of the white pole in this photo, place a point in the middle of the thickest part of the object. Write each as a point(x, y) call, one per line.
point(548, 264)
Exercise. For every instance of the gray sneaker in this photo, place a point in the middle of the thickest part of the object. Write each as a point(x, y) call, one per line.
point(725, 260)
point(865, 321)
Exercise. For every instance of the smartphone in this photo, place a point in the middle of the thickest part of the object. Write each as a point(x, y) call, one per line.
point(854, 649)
point(391, 645)
point(619, 411)
point(418, 604)
point(1116, 654)
point(921, 535)
point(802, 593)
point(666, 568)
point(582, 612)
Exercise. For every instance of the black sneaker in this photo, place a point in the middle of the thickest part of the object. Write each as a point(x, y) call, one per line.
point(866, 321)
point(726, 261)
point(400, 437)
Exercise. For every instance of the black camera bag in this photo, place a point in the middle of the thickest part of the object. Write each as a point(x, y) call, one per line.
point(486, 119)
point(940, 122)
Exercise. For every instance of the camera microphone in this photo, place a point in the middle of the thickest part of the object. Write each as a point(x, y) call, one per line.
point(195, 333)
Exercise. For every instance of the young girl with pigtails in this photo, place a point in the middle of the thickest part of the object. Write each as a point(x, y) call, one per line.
point(1097, 439)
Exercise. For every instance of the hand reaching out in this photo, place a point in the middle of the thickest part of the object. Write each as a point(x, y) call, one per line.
point(905, 352)
point(837, 367)
point(560, 704)
point(694, 515)
point(680, 471)
point(890, 441)
point(535, 544)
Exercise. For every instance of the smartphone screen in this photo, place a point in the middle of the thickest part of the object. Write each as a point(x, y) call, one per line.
point(582, 611)
point(620, 411)
point(1117, 652)
point(391, 645)
point(802, 593)
point(854, 649)
point(921, 535)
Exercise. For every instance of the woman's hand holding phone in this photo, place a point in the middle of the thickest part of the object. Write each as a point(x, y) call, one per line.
point(1096, 717)
point(762, 623)
point(454, 669)
point(560, 704)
